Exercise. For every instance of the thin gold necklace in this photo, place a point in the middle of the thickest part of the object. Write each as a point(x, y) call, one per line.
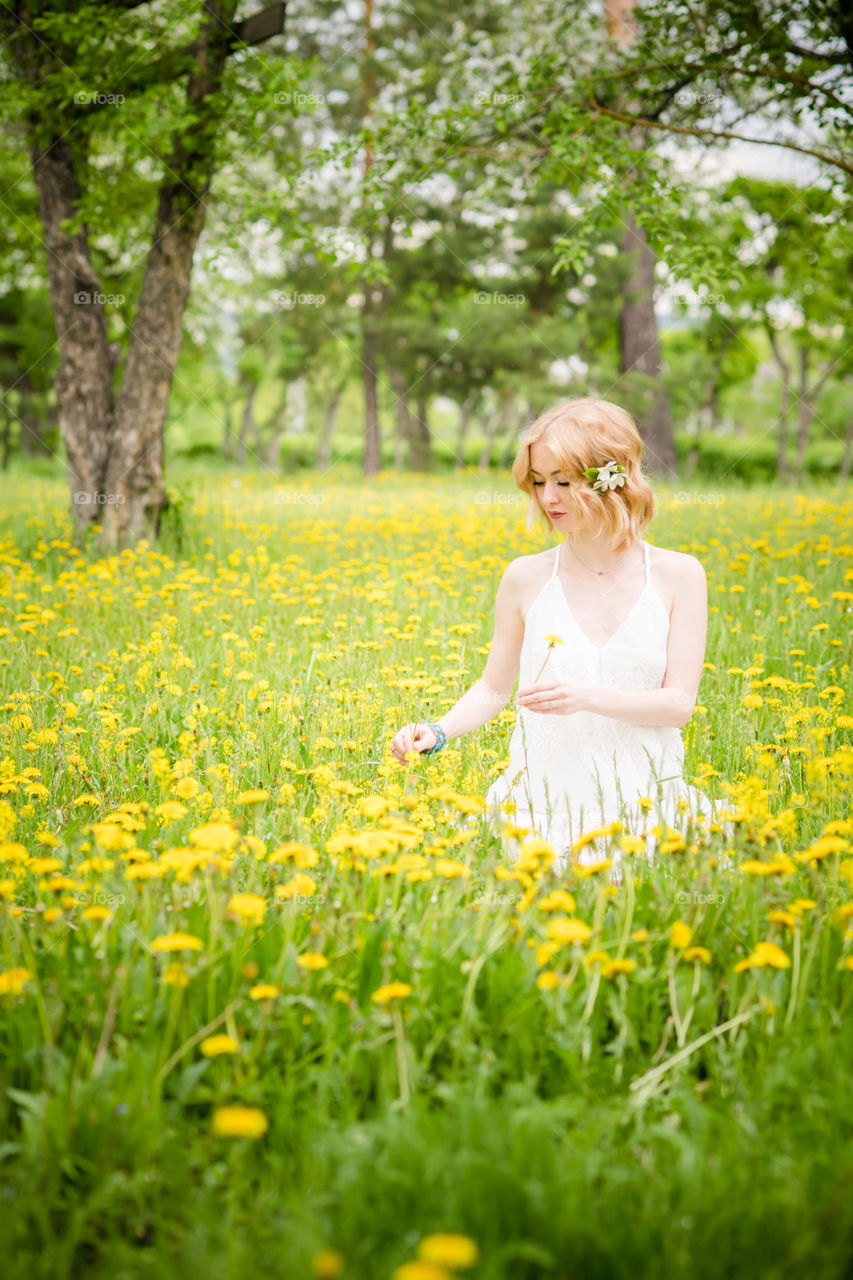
point(600, 572)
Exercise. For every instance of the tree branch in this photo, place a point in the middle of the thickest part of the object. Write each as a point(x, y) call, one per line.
point(699, 132)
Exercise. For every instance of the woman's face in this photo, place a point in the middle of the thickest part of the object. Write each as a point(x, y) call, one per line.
point(551, 486)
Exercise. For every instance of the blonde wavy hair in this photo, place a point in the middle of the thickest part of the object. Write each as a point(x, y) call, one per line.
point(587, 433)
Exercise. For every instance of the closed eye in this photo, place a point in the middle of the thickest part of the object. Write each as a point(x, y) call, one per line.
point(562, 484)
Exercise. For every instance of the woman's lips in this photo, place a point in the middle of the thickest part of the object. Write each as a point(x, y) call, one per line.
point(556, 514)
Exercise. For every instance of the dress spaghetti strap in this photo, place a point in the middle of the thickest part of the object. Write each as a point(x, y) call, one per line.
point(556, 562)
point(646, 554)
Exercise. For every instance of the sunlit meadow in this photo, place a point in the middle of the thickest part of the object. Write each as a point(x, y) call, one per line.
point(274, 1004)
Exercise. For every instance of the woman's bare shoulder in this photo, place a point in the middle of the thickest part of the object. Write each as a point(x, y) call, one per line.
point(679, 564)
point(677, 574)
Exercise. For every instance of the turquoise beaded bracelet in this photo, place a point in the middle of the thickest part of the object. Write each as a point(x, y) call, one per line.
point(441, 739)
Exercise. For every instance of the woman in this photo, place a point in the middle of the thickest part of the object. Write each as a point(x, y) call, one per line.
point(608, 637)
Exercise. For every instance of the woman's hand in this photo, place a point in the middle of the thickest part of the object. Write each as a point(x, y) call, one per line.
point(412, 737)
point(555, 697)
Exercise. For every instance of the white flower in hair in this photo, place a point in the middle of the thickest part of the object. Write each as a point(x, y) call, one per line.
point(610, 476)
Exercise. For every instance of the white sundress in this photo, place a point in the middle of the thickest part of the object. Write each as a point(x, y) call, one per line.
point(571, 774)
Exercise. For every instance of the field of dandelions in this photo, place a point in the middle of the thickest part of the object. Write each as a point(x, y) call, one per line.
point(276, 1005)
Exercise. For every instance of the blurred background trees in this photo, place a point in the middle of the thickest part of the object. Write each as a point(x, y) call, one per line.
point(385, 234)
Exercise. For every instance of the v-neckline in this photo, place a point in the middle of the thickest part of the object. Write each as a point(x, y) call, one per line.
point(556, 578)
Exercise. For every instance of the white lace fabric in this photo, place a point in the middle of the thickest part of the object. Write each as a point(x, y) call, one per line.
point(570, 774)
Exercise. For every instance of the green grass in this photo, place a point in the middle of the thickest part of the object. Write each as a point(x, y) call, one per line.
point(685, 1117)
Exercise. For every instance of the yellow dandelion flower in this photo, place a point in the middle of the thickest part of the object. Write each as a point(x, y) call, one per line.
point(176, 975)
point(620, 965)
point(96, 913)
point(256, 796)
point(769, 953)
point(846, 963)
point(327, 1264)
point(679, 935)
point(215, 836)
point(213, 1046)
point(569, 930)
point(548, 980)
point(264, 991)
point(702, 954)
point(451, 869)
point(558, 900)
point(176, 942)
point(248, 907)
point(13, 981)
point(554, 639)
point(545, 951)
point(640, 935)
point(591, 868)
point(239, 1122)
point(777, 916)
point(421, 1270)
point(312, 960)
point(391, 991)
point(448, 1250)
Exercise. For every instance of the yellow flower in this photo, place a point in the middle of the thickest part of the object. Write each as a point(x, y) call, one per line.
point(553, 639)
point(777, 916)
point(327, 1264)
point(249, 907)
point(263, 991)
point(96, 913)
point(620, 965)
point(392, 991)
point(312, 960)
point(450, 868)
point(680, 934)
point(215, 836)
point(846, 963)
point(769, 953)
point(547, 980)
point(697, 953)
point(12, 981)
point(421, 1270)
point(640, 935)
point(632, 844)
point(176, 975)
point(176, 942)
point(448, 1250)
point(569, 930)
point(253, 797)
point(212, 1046)
point(764, 953)
point(558, 900)
point(239, 1122)
point(822, 847)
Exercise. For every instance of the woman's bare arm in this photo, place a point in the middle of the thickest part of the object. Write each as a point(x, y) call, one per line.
point(490, 694)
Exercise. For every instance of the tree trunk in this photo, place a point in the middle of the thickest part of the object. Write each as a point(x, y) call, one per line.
point(784, 404)
point(372, 450)
point(405, 428)
point(466, 412)
point(847, 457)
point(640, 349)
point(228, 421)
point(247, 421)
point(277, 428)
point(134, 482)
point(324, 449)
point(809, 398)
point(493, 425)
point(638, 327)
point(420, 453)
point(84, 381)
point(6, 442)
